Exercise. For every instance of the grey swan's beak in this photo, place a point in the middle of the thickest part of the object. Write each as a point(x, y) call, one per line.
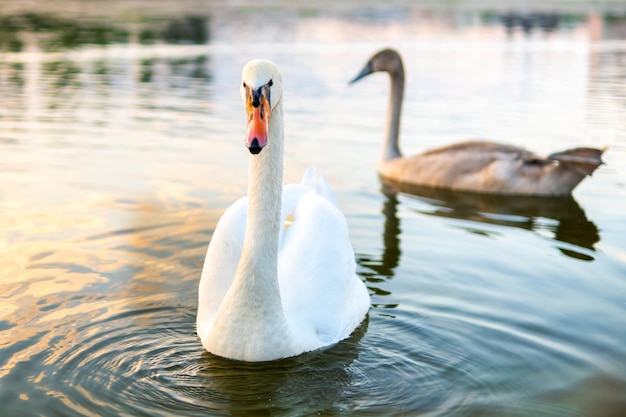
point(367, 70)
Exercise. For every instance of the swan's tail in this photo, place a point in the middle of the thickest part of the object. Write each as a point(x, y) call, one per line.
point(585, 160)
point(314, 179)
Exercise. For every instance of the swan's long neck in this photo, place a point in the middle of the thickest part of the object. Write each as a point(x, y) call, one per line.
point(251, 324)
point(264, 203)
point(391, 148)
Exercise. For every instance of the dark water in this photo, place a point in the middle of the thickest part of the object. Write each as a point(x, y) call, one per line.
point(121, 145)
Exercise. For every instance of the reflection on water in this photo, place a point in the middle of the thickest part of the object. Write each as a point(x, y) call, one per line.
point(117, 332)
point(50, 33)
point(67, 85)
point(120, 148)
point(309, 383)
point(561, 217)
point(391, 240)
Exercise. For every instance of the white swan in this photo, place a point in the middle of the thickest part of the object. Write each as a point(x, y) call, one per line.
point(279, 276)
point(478, 166)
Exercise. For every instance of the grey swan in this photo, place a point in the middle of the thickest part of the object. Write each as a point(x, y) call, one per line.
point(475, 166)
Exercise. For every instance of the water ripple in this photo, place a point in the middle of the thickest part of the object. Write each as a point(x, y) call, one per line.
point(148, 361)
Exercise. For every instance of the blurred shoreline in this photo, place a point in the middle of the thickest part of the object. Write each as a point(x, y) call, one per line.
point(130, 10)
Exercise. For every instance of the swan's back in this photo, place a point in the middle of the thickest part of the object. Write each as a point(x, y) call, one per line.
point(323, 298)
point(491, 167)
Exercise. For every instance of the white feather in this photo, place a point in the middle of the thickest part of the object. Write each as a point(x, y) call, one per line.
point(279, 280)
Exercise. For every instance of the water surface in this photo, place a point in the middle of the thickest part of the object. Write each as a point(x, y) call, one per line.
point(121, 144)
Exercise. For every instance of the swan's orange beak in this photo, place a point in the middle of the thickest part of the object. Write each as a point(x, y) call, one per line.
point(258, 120)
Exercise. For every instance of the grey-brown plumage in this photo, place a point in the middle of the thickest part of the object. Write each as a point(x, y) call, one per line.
point(479, 166)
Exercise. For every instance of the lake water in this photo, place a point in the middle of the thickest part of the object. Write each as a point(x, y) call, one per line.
point(121, 144)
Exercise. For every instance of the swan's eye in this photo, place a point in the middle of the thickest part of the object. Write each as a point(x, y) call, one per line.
point(245, 85)
point(271, 83)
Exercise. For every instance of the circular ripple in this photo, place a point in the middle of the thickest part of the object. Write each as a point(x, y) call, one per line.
point(122, 362)
point(146, 360)
point(150, 362)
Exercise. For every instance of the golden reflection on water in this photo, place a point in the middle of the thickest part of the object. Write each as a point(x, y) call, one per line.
point(62, 270)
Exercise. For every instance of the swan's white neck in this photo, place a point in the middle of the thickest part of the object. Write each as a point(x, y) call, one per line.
point(264, 200)
point(250, 324)
point(391, 148)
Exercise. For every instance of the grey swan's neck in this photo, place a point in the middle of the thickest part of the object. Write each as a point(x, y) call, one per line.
point(391, 149)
